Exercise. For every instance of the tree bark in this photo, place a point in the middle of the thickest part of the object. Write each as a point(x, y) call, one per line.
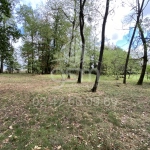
point(32, 54)
point(101, 48)
point(72, 36)
point(81, 19)
point(2, 66)
point(129, 50)
point(75, 41)
point(70, 45)
point(140, 81)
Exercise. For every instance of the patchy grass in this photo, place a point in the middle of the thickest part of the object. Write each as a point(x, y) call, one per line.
point(50, 112)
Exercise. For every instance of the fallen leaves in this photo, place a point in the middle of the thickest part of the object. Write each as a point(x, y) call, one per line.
point(40, 148)
point(6, 141)
point(59, 147)
point(37, 148)
point(10, 127)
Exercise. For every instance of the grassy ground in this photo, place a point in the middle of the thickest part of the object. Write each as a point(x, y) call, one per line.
point(50, 113)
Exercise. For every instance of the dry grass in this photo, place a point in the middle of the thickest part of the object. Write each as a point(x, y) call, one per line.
point(43, 112)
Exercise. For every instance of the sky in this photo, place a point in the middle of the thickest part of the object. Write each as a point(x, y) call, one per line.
point(116, 31)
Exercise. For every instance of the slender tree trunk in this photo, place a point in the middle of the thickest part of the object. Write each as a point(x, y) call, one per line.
point(140, 81)
point(42, 66)
point(72, 36)
point(47, 65)
point(94, 53)
point(28, 64)
point(128, 54)
point(140, 9)
point(81, 19)
point(2, 65)
point(70, 45)
point(2, 54)
point(75, 41)
point(81, 64)
point(55, 32)
point(102, 47)
point(32, 55)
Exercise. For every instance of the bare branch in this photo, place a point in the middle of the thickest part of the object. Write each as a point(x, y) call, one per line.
point(66, 16)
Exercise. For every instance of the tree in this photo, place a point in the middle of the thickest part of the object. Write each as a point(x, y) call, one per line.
point(58, 38)
point(8, 33)
point(113, 61)
point(45, 34)
point(102, 47)
point(5, 8)
point(81, 21)
point(74, 22)
point(140, 81)
point(139, 12)
point(28, 18)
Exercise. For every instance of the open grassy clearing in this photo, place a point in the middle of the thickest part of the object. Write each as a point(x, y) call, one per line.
point(48, 112)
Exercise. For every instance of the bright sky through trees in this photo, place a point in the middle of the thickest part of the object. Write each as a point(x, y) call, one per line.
point(116, 31)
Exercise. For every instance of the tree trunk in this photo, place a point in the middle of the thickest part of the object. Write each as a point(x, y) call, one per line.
point(32, 55)
point(47, 65)
point(81, 19)
point(140, 9)
point(128, 54)
point(72, 36)
point(28, 65)
point(94, 54)
point(75, 41)
point(2, 66)
point(70, 45)
point(102, 47)
point(140, 81)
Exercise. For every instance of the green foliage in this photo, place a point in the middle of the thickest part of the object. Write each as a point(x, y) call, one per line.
point(8, 34)
point(113, 61)
point(148, 69)
point(43, 39)
point(5, 8)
